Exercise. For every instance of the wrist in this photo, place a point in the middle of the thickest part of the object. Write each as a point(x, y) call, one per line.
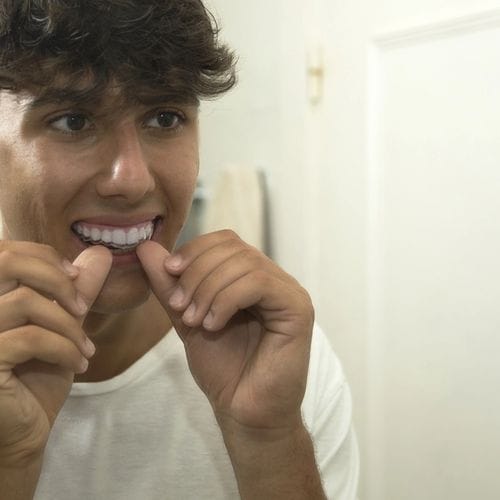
point(21, 457)
point(238, 436)
point(19, 479)
point(274, 463)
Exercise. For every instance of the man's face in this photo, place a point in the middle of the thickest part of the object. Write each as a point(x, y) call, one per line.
point(108, 170)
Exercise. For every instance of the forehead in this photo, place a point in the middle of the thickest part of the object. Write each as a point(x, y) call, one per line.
point(108, 95)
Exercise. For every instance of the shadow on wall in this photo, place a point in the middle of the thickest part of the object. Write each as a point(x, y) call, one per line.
point(194, 224)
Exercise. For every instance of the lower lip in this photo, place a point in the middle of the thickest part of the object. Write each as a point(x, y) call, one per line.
point(125, 259)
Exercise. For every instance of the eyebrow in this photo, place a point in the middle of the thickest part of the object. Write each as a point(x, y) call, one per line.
point(88, 96)
point(59, 96)
point(152, 99)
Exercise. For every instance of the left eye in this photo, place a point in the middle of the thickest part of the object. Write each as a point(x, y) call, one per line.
point(165, 119)
point(74, 122)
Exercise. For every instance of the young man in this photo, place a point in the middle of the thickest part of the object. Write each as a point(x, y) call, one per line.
point(107, 335)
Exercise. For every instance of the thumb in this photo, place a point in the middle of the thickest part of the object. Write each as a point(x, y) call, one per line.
point(94, 263)
point(152, 256)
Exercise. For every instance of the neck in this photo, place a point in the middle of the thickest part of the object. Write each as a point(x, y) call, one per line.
point(121, 339)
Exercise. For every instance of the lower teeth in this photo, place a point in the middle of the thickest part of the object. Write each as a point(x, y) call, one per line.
point(115, 250)
point(118, 251)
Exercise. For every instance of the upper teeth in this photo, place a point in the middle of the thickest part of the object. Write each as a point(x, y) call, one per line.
point(122, 237)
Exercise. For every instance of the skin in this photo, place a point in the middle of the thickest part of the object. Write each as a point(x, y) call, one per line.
point(117, 166)
point(245, 323)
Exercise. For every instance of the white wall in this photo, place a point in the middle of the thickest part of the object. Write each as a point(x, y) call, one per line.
point(335, 214)
point(261, 122)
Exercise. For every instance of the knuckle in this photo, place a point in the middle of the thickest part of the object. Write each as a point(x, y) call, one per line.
point(35, 337)
point(30, 331)
point(251, 256)
point(306, 295)
point(228, 247)
point(304, 306)
point(22, 295)
point(28, 444)
point(6, 256)
point(5, 245)
point(308, 307)
point(261, 277)
point(235, 242)
point(228, 234)
point(28, 335)
point(240, 251)
point(50, 251)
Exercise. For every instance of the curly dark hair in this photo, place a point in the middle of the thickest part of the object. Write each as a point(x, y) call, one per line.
point(168, 45)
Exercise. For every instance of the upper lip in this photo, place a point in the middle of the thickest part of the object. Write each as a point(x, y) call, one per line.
point(119, 220)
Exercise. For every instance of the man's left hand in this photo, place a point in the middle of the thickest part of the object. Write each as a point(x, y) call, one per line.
point(245, 323)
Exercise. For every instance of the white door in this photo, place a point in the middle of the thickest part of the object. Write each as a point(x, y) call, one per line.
point(385, 199)
point(408, 220)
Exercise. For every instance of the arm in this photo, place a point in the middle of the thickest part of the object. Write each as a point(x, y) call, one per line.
point(42, 345)
point(246, 327)
point(19, 482)
point(277, 467)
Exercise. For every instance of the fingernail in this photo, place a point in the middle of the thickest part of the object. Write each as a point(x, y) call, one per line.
point(81, 304)
point(70, 269)
point(209, 320)
point(177, 298)
point(89, 348)
point(84, 365)
point(174, 262)
point(190, 312)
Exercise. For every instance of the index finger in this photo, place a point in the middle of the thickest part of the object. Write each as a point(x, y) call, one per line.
point(40, 251)
point(38, 274)
point(179, 260)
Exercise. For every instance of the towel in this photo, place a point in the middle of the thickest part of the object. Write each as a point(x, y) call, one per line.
point(238, 202)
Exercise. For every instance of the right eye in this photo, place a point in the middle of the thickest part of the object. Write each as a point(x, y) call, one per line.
point(71, 123)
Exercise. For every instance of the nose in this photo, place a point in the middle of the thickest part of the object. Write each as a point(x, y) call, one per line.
point(128, 174)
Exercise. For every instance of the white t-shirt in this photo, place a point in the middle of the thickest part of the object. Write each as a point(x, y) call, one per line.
point(150, 434)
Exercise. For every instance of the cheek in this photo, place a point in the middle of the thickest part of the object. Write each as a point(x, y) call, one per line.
point(178, 182)
point(21, 192)
point(63, 171)
point(34, 192)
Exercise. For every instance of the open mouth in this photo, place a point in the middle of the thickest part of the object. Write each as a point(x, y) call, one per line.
point(120, 240)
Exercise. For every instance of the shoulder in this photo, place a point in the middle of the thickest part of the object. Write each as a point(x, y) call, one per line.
point(327, 413)
point(326, 378)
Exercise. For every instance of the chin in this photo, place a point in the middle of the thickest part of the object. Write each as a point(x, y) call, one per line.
point(116, 298)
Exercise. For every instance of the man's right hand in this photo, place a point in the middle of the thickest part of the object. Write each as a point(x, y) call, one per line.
point(42, 343)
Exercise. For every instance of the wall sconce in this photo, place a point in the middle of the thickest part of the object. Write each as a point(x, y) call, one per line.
point(315, 74)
